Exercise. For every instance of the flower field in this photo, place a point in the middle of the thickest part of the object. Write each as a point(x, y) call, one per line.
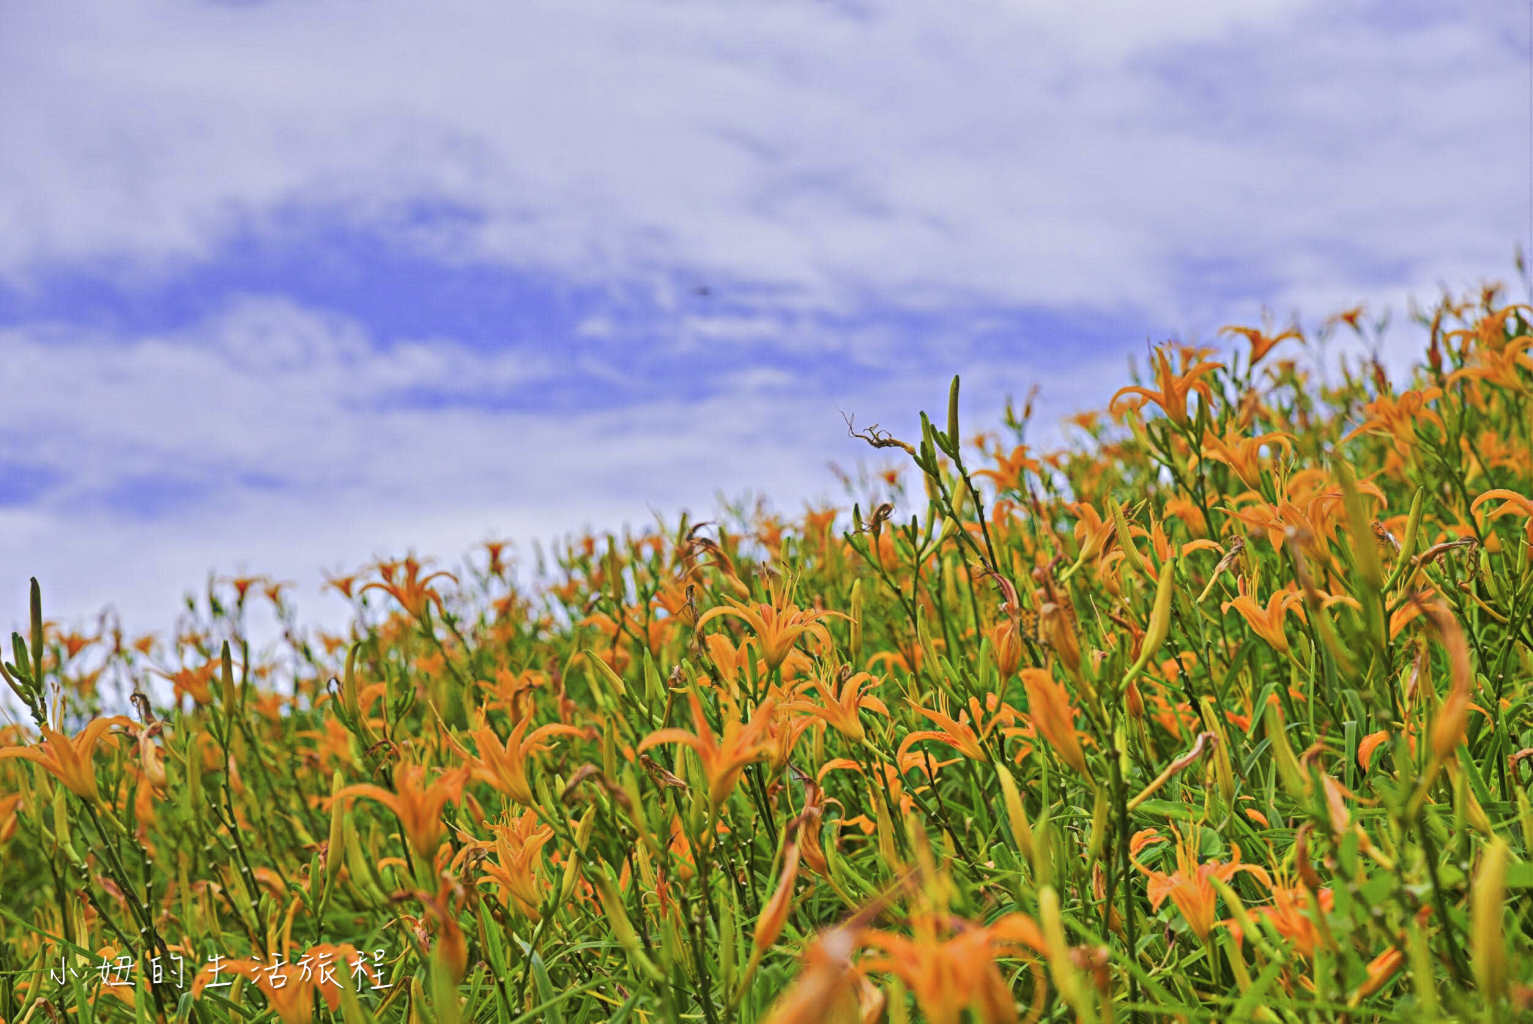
point(1223, 711)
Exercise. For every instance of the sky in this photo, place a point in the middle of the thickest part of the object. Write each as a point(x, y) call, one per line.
point(287, 287)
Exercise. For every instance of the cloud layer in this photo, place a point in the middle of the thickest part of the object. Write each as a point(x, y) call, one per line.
point(288, 285)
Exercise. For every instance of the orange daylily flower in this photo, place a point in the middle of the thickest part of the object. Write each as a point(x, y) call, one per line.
point(885, 777)
point(837, 702)
point(1171, 390)
point(1009, 469)
point(288, 981)
point(441, 910)
point(1049, 706)
point(1189, 887)
point(1370, 743)
point(70, 759)
point(774, 913)
point(504, 765)
point(196, 682)
point(1057, 627)
point(1242, 453)
point(1261, 343)
point(1489, 332)
point(290, 988)
point(1452, 719)
point(1006, 646)
point(1268, 620)
point(829, 988)
point(411, 590)
point(417, 804)
point(777, 625)
point(1094, 534)
point(9, 819)
point(1512, 504)
point(343, 585)
point(1397, 417)
point(1378, 972)
point(1291, 914)
point(1310, 509)
point(949, 964)
point(1185, 509)
point(965, 734)
point(731, 660)
point(723, 757)
point(1508, 367)
point(1351, 317)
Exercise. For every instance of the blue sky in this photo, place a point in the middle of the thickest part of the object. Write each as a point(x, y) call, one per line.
point(288, 286)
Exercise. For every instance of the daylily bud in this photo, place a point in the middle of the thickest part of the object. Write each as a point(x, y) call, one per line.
point(1133, 699)
point(150, 759)
point(336, 842)
point(1294, 780)
point(622, 927)
point(1055, 625)
point(1126, 539)
point(886, 848)
point(1364, 548)
point(775, 913)
point(1487, 944)
point(1005, 647)
point(1061, 965)
point(226, 678)
point(1223, 768)
point(952, 413)
point(1160, 621)
point(1049, 706)
point(1465, 800)
point(856, 631)
point(727, 941)
point(1016, 814)
point(1098, 834)
point(1452, 718)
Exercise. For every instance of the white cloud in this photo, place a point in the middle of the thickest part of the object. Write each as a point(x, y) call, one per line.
point(1060, 154)
point(361, 477)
